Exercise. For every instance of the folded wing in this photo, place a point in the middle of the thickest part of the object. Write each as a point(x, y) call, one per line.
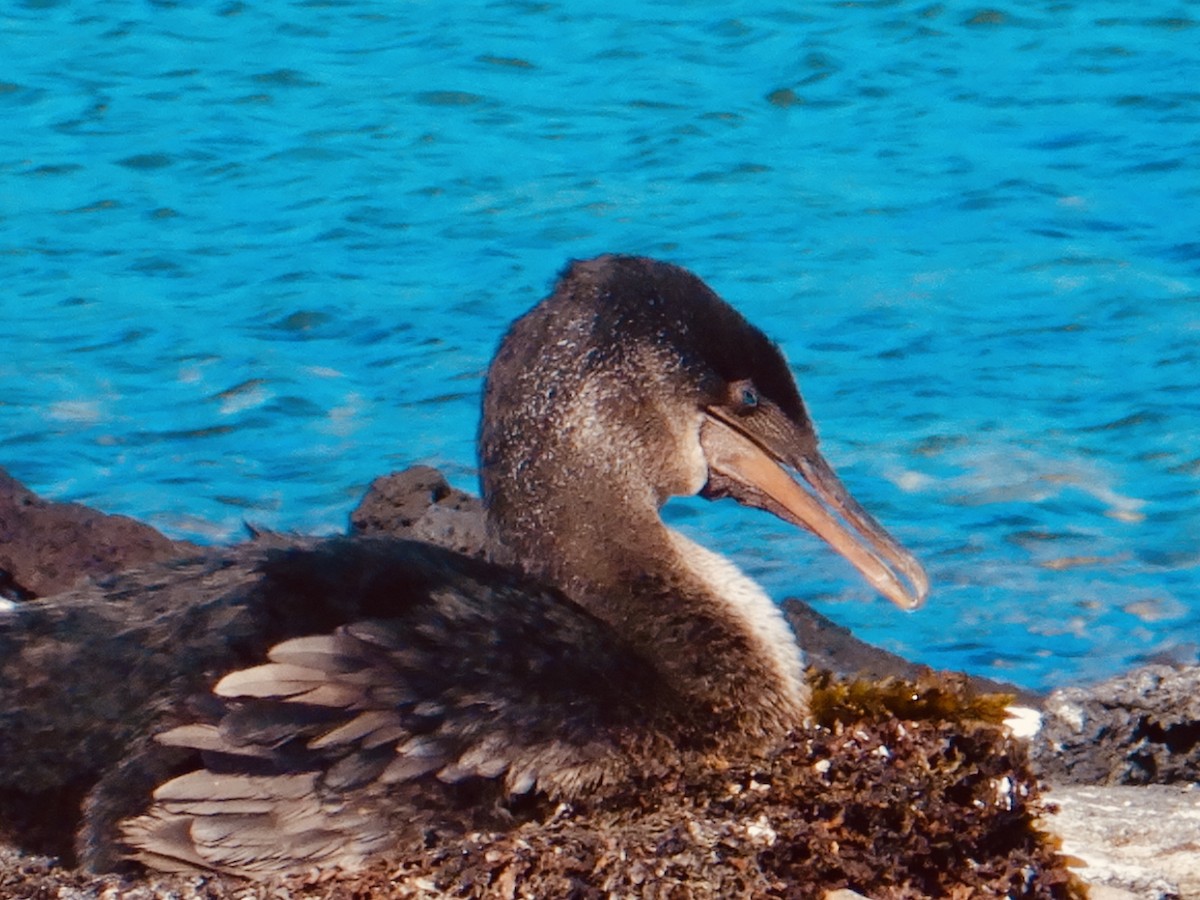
point(342, 744)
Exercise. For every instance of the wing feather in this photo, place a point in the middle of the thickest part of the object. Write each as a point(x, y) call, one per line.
point(326, 652)
point(371, 728)
point(270, 680)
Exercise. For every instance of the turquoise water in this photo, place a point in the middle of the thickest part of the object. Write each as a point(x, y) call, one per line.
point(255, 254)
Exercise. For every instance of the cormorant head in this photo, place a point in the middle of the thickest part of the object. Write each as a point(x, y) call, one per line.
point(634, 382)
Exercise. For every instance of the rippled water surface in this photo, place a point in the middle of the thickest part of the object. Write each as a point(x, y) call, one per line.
point(255, 254)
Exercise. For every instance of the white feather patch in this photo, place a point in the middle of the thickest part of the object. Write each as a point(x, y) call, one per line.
point(749, 604)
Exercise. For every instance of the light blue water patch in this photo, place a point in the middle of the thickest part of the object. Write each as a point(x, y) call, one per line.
point(255, 254)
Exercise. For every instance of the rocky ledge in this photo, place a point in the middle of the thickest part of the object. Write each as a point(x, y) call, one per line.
point(1103, 794)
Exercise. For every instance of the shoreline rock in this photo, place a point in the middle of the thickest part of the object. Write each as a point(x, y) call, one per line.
point(48, 547)
point(1141, 727)
point(1134, 842)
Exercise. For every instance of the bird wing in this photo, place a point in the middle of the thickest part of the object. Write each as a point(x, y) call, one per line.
point(340, 741)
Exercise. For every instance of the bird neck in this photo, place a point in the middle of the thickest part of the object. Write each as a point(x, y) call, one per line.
point(719, 641)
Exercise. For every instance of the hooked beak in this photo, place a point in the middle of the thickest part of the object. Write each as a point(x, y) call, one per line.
point(741, 467)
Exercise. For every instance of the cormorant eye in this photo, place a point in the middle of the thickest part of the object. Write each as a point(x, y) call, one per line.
point(747, 397)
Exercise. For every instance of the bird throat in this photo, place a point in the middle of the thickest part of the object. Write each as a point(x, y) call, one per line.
point(721, 645)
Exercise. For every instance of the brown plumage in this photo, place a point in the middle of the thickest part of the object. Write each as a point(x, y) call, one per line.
point(386, 690)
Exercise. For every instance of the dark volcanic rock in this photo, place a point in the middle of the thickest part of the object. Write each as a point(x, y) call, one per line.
point(419, 503)
point(833, 648)
point(1142, 727)
point(48, 547)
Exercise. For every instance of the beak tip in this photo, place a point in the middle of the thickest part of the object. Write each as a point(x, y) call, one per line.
point(915, 603)
point(908, 603)
point(919, 579)
point(910, 598)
